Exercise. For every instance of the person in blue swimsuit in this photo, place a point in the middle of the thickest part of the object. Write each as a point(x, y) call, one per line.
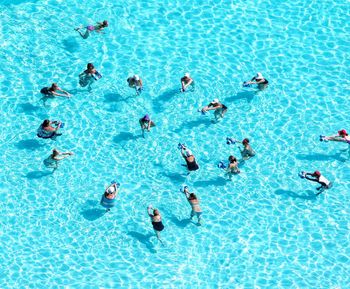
point(46, 130)
point(156, 221)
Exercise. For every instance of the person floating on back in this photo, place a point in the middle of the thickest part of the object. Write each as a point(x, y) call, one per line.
point(189, 158)
point(90, 28)
point(318, 178)
point(259, 80)
point(186, 81)
point(135, 82)
point(342, 136)
point(194, 202)
point(156, 220)
point(52, 91)
point(146, 123)
point(220, 109)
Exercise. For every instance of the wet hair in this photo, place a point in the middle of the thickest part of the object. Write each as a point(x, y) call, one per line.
point(245, 141)
point(46, 123)
point(105, 23)
point(55, 152)
point(53, 87)
point(155, 212)
point(192, 196)
point(90, 66)
point(232, 159)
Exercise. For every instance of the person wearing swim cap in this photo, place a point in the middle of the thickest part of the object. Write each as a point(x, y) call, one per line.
point(194, 202)
point(259, 80)
point(220, 109)
point(247, 152)
point(135, 82)
point(156, 220)
point(52, 91)
point(186, 81)
point(90, 28)
point(189, 158)
point(318, 178)
point(111, 192)
point(342, 136)
point(55, 157)
point(146, 123)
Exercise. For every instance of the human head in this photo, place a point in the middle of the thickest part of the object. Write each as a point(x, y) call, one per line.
point(90, 66)
point(146, 118)
point(232, 159)
point(245, 141)
point(316, 174)
point(258, 75)
point(105, 23)
point(342, 132)
point(54, 86)
point(215, 100)
point(193, 196)
point(55, 152)
point(187, 75)
point(155, 212)
point(46, 123)
point(136, 77)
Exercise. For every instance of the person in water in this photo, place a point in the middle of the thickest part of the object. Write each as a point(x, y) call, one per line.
point(194, 202)
point(220, 109)
point(189, 158)
point(135, 82)
point(247, 152)
point(88, 75)
point(186, 81)
point(318, 178)
point(46, 130)
point(52, 91)
point(55, 157)
point(259, 80)
point(232, 167)
point(111, 193)
point(156, 221)
point(90, 28)
point(146, 123)
point(342, 136)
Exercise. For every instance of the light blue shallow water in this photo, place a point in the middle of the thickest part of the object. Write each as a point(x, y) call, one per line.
point(263, 229)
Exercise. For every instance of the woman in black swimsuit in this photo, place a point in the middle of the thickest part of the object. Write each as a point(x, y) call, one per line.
point(259, 80)
point(189, 158)
point(156, 221)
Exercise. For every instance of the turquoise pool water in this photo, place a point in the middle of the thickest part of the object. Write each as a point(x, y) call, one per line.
point(263, 229)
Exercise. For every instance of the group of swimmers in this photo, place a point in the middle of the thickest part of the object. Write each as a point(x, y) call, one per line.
point(50, 130)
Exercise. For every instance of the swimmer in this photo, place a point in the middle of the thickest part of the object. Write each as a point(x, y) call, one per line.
point(194, 202)
point(247, 152)
point(220, 109)
point(318, 178)
point(156, 221)
point(52, 91)
point(186, 81)
point(111, 192)
point(46, 130)
point(189, 158)
point(146, 123)
point(232, 167)
point(88, 75)
point(55, 157)
point(259, 80)
point(90, 28)
point(342, 136)
point(135, 82)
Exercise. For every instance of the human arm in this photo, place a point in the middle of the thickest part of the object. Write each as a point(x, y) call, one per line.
point(310, 179)
point(149, 211)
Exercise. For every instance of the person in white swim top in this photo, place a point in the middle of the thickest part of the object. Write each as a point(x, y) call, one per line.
point(318, 178)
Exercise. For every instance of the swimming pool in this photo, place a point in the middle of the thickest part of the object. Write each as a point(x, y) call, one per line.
point(263, 229)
